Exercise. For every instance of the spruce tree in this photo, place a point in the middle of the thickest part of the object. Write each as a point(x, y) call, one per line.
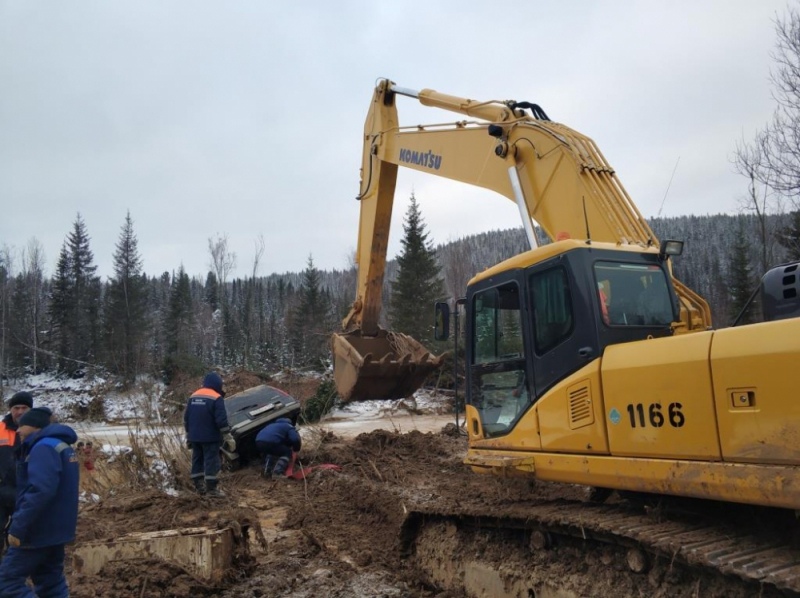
point(75, 304)
point(418, 283)
point(310, 319)
point(158, 307)
point(126, 311)
point(86, 294)
point(179, 315)
point(211, 295)
point(60, 308)
point(179, 354)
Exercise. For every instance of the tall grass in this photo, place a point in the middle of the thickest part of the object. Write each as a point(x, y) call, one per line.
point(155, 458)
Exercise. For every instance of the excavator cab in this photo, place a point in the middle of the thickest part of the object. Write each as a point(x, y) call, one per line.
point(531, 327)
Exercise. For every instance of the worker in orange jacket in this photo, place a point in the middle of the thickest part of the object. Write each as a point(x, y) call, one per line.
point(18, 405)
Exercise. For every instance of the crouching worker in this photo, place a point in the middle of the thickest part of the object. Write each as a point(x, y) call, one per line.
point(275, 442)
point(47, 509)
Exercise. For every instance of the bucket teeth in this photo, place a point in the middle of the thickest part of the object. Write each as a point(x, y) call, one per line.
point(387, 366)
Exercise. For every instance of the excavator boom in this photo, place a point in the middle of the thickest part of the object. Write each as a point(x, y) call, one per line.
point(557, 177)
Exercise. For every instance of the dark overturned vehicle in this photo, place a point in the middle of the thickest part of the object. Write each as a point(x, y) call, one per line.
point(248, 412)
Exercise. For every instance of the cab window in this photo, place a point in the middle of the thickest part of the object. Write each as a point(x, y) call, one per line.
point(633, 294)
point(498, 324)
point(499, 388)
point(552, 309)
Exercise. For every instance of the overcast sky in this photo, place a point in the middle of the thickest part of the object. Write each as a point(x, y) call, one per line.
point(245, 118)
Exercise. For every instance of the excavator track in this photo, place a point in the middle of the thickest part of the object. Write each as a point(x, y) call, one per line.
point(755, 557)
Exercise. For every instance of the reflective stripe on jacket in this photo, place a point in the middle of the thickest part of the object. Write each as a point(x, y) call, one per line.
point(9, 441)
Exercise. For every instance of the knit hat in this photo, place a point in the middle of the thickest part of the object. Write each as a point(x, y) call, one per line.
point(213, 381)
point(38, 417)
point(23, 397)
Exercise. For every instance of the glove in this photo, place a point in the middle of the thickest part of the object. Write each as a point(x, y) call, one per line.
point(189, 444)
point(229, 443)
point(13, 541)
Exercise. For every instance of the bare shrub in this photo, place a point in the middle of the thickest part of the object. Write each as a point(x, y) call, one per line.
point(156, 458)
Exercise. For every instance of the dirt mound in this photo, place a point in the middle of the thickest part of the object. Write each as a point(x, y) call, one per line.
point(242, 379)
point(301, 387)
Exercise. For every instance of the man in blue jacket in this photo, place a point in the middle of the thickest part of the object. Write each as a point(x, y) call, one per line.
point(47, 509)
point(276, 441)
point(206, 423)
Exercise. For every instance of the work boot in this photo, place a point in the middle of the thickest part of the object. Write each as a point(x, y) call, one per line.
point(280, 467)
point(199, 485)
point(269, 463)
point(213, 490)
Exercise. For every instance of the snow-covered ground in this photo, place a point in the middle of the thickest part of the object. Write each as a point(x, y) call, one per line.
point(73, 400)
point(101, 411)
point(426, 411)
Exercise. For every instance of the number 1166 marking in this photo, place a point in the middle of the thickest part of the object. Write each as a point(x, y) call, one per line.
point(654, 415)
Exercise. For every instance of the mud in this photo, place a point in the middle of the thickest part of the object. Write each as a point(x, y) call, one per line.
point(339, 533)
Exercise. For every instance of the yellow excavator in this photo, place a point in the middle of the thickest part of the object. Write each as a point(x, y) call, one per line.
point(587, 362)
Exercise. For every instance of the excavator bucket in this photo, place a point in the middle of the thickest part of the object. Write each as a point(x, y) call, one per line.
point(387, 366)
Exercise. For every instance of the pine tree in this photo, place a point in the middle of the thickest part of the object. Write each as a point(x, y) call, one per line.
point(86, 294)
point(159, 289)
point(60, 308)
point(179, 316)
point(179, 355)
point(212, 291)
point(75, 304)
point(126, 311)
point(418, 284)
point(310, 319)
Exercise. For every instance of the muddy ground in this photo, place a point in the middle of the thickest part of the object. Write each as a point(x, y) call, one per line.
point(346, 533)
point(338, 533)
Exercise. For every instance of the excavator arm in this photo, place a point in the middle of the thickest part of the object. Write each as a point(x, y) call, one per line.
point(557, 177)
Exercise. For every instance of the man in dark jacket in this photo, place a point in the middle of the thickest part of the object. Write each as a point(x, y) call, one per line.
point(206, 423)
point(18, 405)
point(47, 509)
point(276, 441)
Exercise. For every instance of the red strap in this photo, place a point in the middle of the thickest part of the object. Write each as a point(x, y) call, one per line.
point(301, 474)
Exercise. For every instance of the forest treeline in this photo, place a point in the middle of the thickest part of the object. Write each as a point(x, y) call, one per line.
point(134, 322)
point(164, 323)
